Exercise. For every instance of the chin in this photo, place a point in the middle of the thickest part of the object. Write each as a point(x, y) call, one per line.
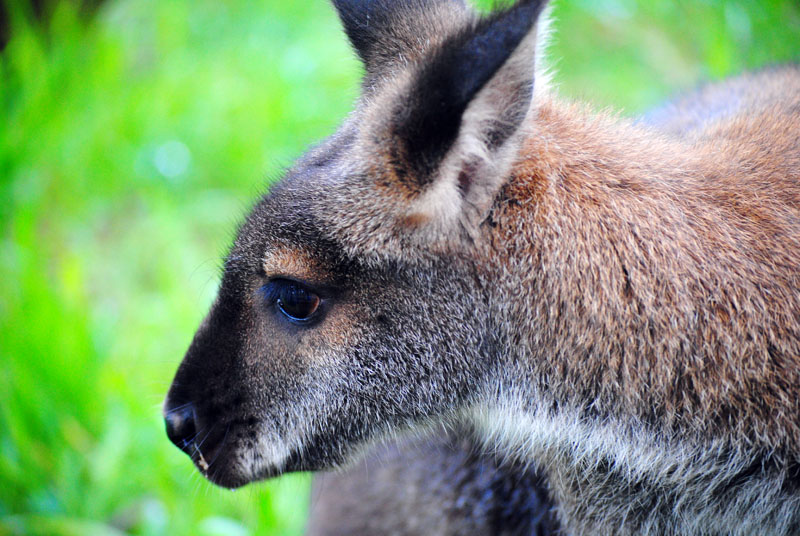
point(224, 465)
point(226, 478)
point(231, 466)
point(233, 469)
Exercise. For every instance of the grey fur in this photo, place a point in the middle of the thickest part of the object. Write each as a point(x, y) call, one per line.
point(444, 485)
point(616, 305)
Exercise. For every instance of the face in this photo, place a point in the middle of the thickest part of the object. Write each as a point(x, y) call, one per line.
point(308, 353)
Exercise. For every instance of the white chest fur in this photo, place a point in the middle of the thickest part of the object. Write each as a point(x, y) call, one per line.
point(610, 478)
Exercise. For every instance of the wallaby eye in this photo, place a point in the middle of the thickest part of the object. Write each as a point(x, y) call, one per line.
point(293, 300)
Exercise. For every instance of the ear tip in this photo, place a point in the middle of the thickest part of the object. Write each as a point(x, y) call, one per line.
point(527, 8)
point(507, 27)
point(533, 3)
point(380, 30)
point(522, 12)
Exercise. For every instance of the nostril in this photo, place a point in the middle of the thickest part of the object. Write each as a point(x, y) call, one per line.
point(180, 424)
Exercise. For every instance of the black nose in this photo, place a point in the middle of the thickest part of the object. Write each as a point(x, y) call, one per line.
point(180, 423)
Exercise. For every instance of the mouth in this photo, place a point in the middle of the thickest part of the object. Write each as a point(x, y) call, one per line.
point(212, 454)
point(227, 469)
point(231, 455)
point(218, 465)
point(231, 465)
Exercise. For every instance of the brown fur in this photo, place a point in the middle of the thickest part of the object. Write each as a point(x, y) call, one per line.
point(677, 244)
point(617, 304)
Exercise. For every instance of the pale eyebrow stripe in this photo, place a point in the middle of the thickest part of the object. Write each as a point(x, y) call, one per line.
point(292, 263)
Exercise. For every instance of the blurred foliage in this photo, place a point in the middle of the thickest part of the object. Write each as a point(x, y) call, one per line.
point(129, 149)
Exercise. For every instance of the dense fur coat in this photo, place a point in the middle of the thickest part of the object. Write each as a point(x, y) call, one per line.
point(408, 487)
point(616, 303)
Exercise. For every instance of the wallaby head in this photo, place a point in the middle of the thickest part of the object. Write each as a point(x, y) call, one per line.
point(350, 305)
point(619, 304)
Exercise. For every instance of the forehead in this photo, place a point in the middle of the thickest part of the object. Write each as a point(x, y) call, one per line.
point(283, 236)
point(288, 232)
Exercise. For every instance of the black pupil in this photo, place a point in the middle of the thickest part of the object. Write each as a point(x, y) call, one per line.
point(297, 302)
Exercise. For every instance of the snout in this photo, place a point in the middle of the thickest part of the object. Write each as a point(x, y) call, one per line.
point(204, 441)
point(180, 423)
point(182, 429)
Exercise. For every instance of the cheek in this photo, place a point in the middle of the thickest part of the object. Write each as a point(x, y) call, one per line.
point(328, 343)
point(278, 349)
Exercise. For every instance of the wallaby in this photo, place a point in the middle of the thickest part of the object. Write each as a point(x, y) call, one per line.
point(614, 303)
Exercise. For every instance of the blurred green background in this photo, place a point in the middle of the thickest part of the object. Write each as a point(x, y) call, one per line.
point(131, 144)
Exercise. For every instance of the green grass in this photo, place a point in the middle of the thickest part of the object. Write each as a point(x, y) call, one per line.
point(129, 150)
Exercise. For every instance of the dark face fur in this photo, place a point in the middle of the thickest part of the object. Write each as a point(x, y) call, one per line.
point(350, 305)
point(271, 394)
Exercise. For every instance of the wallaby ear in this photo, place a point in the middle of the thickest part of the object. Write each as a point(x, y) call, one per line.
point(452, 135)
point(385, 33)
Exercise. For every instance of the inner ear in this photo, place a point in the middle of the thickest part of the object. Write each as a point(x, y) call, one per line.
point(456, 129)
point(429, 121)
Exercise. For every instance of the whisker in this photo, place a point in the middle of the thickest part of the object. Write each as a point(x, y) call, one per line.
point(221, 445)
point(178, 408)
point(198, 445)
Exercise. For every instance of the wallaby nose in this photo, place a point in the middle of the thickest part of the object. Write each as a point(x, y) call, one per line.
point(180, 422)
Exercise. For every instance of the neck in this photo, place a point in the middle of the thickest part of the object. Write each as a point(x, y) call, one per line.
point(639, 296)
point(633, 475)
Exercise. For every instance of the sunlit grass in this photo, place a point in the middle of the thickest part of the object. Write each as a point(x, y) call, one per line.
point(129, 150)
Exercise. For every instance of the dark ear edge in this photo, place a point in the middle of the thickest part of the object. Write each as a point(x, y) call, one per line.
point(384, 31)
point(427, 123)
